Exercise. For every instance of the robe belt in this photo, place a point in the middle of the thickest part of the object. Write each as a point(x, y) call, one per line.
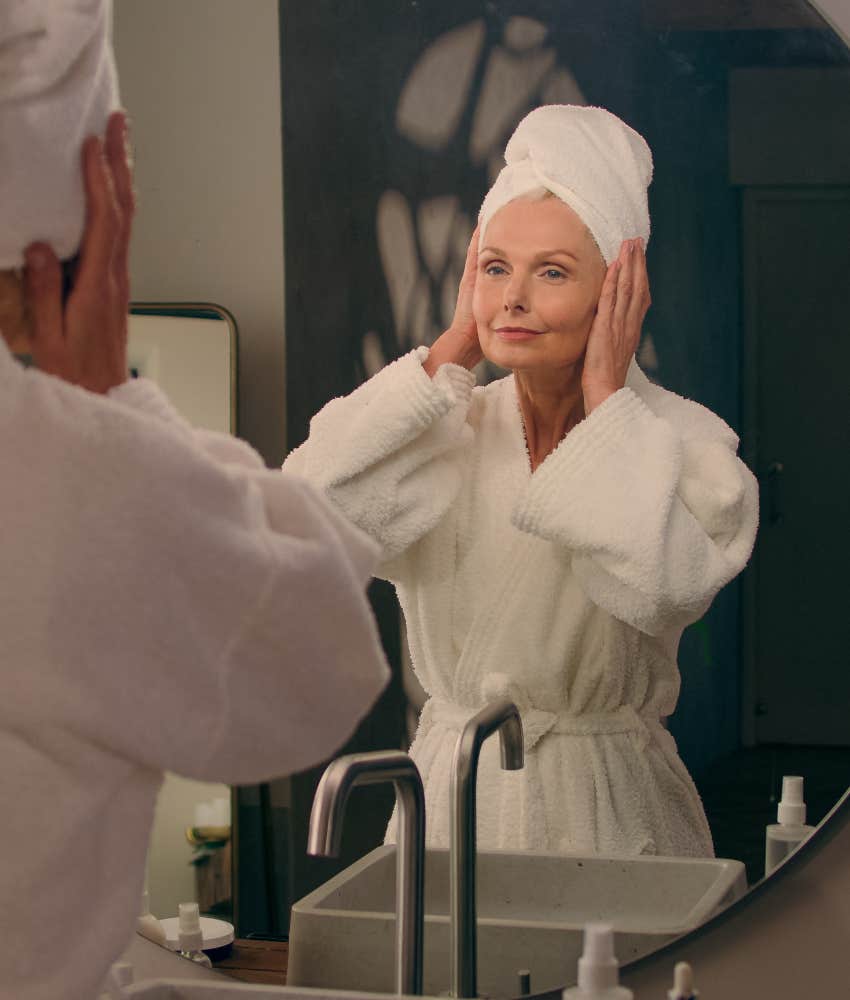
point(537, 723)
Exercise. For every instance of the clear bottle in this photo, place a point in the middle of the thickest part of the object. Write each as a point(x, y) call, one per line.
point(790, 831)
point(190, 936)
point(598, 969)
point(146, 923)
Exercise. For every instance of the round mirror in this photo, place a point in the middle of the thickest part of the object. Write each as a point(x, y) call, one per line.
point(394, 117)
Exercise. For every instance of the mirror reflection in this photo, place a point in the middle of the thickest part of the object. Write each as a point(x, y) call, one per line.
point(717, 93)
point(711, 90)
point(562, 527)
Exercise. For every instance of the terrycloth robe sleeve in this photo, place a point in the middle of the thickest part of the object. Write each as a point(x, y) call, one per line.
point(209, 617)
point(388, 455)
point(652, 504)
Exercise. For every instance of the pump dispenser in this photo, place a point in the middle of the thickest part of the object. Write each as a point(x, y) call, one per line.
point(790, 831)
point(683, 983)
point(190, 935)
point(598, 969)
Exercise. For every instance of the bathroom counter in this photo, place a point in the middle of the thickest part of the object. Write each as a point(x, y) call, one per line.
point(253, 961)
point(250, 961)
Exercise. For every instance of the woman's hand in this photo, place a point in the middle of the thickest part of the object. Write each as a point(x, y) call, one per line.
point(615, 333)
point(84, 341)
point(459, 344)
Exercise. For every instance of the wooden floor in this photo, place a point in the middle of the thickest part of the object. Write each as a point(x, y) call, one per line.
point(252, 961)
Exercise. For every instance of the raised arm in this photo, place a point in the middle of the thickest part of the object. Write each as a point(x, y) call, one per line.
point(389, 455)
point(646, 494)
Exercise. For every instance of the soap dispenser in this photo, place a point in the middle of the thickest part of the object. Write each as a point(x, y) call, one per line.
point(784, 836)
point(190, 936)
point(598, 969)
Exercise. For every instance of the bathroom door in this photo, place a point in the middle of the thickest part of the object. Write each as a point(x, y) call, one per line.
point(797, 372)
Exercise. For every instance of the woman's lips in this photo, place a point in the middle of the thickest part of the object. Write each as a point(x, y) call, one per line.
point(516, 333)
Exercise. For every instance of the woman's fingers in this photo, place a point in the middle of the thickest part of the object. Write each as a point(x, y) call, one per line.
point(625, 284)
point(43, 285)
point(102, 221)
point(608, 295)
point(118, 159)
point(640, 296)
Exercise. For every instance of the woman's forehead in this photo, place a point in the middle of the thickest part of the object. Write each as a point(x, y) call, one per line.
point(534, 225)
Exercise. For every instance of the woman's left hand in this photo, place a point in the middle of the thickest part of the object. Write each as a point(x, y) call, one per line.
point(615, 333)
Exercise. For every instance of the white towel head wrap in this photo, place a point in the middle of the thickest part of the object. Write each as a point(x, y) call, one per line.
point(589, 159)
point(57, 86)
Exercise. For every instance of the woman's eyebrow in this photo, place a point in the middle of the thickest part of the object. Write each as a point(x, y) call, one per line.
point(552, 253)
point(495, 250)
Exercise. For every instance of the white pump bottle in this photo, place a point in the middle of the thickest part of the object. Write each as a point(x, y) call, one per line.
point(598, 969)
point(790, 831)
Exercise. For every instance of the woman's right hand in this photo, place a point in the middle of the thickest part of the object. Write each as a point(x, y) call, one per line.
point(459, 345)
point(84, 340)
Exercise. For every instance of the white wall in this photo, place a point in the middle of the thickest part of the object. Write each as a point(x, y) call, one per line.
point(201, 82)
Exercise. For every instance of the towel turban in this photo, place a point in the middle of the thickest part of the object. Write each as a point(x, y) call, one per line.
point(589, 159)
point(57, 86)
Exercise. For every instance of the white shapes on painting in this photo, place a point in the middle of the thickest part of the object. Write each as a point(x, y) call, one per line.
point(435, 94)
point(647, 357)
point(561, 88)
point(509, 84)
point(524, 33)
point(373, 354)
point(397, 246)
point(436, 218)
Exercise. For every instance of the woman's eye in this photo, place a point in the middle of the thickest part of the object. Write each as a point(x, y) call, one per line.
point(553, 273)
point(495, 270)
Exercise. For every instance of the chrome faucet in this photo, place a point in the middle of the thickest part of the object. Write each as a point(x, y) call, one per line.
point(325, 839)
point(503, 716)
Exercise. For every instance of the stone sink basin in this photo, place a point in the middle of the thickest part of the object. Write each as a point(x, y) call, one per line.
point(532, 908)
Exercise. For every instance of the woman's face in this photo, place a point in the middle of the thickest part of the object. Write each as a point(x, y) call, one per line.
point(538, 283)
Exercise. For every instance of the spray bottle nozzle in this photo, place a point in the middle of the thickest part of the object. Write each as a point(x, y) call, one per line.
point(598, 969)
point(683, 983)
point(792, 806)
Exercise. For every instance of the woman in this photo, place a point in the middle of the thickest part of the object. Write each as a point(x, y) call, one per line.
point(164, 596)
point(551, 534)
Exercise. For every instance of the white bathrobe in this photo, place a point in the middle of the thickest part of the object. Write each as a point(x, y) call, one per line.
point(167, 604)
point(566, 589)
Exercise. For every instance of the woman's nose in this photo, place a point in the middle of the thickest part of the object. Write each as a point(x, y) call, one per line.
point(516, 299)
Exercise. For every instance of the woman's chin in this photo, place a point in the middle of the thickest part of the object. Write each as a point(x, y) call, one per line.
point(523, 356)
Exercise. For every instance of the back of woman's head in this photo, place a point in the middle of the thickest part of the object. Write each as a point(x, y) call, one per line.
point(57, 85)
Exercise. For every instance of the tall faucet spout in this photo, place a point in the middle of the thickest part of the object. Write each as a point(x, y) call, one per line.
point(502, 716)
point(325, 840)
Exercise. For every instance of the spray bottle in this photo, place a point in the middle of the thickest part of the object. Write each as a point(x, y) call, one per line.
point(598, 969)
point(683, 983)
point(190, 936)
point(790, 831)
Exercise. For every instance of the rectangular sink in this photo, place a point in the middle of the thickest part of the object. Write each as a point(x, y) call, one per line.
point(180, 989)
point(532, 908)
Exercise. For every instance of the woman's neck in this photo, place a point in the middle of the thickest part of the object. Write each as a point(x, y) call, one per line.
point(551, 404)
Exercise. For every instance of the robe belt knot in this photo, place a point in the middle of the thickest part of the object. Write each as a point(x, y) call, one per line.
point(537, 723)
